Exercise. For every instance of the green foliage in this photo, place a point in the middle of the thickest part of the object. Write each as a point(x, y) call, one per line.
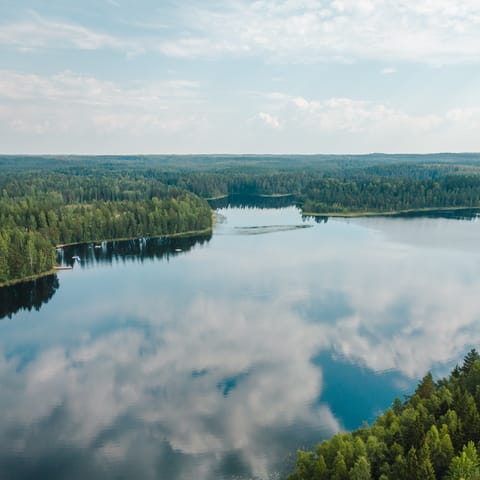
point(361, 469)
point(431, 435)
point(69, 199)
point(470, 359)
point(426, 387)
point(38, 212)
point(465, 466)
point(376, 194)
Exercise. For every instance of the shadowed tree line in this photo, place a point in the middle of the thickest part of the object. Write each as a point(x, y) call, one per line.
point(135, 250)
point(376, 194)
point(27, 295)
point(33, 294)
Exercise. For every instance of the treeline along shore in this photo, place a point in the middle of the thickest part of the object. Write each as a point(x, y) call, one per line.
point(51, 200)
point(40, 210)
point(433, 434)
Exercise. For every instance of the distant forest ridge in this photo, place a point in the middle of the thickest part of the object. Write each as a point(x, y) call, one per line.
point(206, 161)
point(49, 200)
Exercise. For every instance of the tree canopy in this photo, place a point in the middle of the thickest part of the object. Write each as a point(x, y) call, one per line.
point(433, 434)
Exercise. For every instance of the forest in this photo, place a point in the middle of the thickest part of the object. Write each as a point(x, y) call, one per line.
point(433, 434)
point(41, 210)
point(51, 200)
point(383, 195)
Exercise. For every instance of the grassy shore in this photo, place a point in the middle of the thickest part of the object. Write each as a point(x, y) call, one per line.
point(385, 213)
point(252, 195)
point(275, 195)
point(190, 233)
point(28, 279)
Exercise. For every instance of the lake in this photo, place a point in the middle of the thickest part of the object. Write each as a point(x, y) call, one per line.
point(216, 357)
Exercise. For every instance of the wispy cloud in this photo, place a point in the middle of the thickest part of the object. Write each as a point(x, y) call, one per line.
point(44, 104)
point(82, 89)
point(338, 114)
point(438, 32)
point(42, 33)
point(291, 31)
point(66, 103)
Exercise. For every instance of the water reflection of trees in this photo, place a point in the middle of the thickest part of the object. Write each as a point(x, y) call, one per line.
point(252, 201)
point(468, 214)
point(33, 294)
point(27, 295)
point(136, 250)
point(317, 218)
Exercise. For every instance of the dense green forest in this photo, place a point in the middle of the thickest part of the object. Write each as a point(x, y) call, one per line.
point(433, 434)
point(30, 228)
point(40, 209)
point(49, 200)
point(376, 194)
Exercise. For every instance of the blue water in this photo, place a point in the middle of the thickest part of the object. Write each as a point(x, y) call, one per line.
point(216, 358)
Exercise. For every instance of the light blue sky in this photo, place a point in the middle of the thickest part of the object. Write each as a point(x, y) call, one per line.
point(239, 76)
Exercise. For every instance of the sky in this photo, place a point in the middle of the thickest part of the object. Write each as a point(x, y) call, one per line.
point(239, 76)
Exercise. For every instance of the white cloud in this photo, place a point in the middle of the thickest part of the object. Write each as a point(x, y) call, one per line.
point(389, 71)
point(291, 31)
point(315, 30)
point(300, 102)
point(346, 114)
point(55, 106)
point(129, 372)
point(48, 104)
point(82, 89)
point(270, 120)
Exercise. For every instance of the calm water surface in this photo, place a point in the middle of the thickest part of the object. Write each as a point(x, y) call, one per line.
point(217, 357)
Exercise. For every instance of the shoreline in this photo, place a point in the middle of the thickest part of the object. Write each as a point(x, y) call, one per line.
point(55, 269)
point(252, 195)
point(386, 213)
point(31, 278)
point(189, 233)
point(210, 230)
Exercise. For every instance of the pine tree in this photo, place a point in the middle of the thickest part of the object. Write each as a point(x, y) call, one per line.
point(465, 465)
point(426, 386)
point(413, 465)
point(471, 357)
point(426, 470)
point(339, 468)
point(4, 268)
point(361, 470)
point(322, 469)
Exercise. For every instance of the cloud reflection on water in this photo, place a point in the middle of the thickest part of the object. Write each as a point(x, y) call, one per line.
point(204, 366)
